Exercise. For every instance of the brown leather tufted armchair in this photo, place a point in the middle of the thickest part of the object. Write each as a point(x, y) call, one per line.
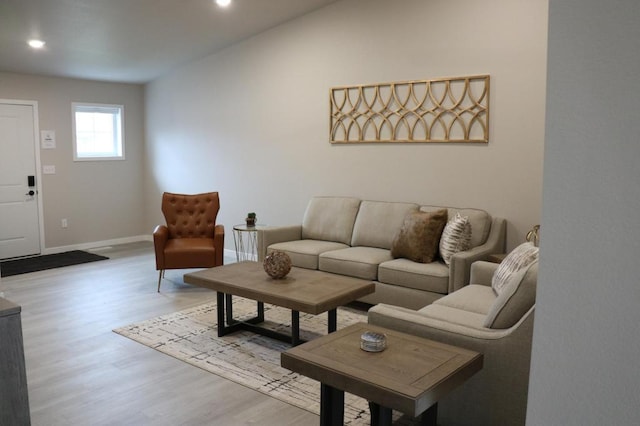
point(191, 238)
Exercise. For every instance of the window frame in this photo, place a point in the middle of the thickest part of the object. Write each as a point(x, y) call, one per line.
point(115, 110)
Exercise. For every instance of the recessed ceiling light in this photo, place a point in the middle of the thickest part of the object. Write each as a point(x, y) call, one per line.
point(223, 3)
point(36, 44)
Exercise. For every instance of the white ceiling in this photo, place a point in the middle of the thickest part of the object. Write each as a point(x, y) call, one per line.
point(131, 41)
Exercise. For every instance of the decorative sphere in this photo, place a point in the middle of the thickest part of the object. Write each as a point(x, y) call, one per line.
point(277, 264)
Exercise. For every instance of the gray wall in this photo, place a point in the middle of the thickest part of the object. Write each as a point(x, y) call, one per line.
point(102, 200)
point(252, 121)
point(586, 339)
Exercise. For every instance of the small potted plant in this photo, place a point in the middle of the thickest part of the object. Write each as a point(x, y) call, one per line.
point(251, 220)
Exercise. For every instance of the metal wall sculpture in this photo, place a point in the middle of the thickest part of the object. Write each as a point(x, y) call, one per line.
point(441, 110)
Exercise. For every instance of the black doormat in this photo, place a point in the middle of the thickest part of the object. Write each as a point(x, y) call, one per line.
point(49, 261)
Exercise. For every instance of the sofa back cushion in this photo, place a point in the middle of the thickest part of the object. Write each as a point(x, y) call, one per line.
point(515, 300)
point(330, 219)
point(479, 220)
point(378, 222)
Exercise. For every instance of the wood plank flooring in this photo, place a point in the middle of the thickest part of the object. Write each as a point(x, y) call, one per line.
point(81, 373)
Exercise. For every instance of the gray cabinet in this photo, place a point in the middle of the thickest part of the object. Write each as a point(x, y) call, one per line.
point(14, 398)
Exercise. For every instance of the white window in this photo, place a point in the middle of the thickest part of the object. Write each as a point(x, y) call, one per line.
point(97, 132)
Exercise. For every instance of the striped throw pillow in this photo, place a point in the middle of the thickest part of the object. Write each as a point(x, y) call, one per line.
point(456, 237)
point(521, 257)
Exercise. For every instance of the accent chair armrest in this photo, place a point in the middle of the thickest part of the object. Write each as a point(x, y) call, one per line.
point(160, 237)
point(460, 265)
point(276, 234)
point(218, 243)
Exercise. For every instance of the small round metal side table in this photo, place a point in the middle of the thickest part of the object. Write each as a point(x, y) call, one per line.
point(246, 241)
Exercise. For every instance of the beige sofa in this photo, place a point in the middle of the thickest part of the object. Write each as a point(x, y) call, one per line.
point(500, 327)
point(353, 237)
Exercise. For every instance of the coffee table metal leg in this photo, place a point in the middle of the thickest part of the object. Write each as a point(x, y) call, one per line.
point(229, 308)
point(260, 316)
point(331, 406)
point(380, 416)
point(295, 328)
point(221, 317)
point(333, 320)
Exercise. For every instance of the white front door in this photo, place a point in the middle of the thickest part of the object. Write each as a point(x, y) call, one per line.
point(19, 200)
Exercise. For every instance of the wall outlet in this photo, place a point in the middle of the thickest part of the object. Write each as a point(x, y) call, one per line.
point(65, 224)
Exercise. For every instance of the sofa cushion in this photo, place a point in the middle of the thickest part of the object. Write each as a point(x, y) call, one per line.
point(521, 257)
point(480, 222)
point(330, 219)
point(377, 223)
point(304, 253)
point(456, 237)
point(473, 298)
point(432, 277)
point(515, 300)
point(453, 315)
point(360, 262)
point(419, 236)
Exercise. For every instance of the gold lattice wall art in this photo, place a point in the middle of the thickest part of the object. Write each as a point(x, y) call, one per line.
point(440, 110)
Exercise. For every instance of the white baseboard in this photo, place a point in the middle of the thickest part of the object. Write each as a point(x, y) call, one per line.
point(97, 245)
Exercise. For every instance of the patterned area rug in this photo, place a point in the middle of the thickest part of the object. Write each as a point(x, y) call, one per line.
point(246, 358)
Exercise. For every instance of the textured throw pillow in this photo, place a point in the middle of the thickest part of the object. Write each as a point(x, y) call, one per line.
point(419, 236)
point(456, 237)
point(521, 257)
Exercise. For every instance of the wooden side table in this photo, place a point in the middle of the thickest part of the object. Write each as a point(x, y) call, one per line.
point(410, 375)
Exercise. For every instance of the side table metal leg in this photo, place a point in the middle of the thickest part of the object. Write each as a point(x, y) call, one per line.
point(237, 243)
point(380, 416)
point(331, 406)
point(430, 417)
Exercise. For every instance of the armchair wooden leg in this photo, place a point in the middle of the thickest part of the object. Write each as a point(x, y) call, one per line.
point(160, 279)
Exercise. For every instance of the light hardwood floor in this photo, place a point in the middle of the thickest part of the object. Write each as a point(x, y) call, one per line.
point(81, 373)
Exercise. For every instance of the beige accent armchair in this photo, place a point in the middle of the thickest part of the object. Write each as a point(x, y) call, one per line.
point(191, 238)
point(500, 327)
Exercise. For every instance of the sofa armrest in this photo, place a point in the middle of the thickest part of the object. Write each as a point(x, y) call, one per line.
point(413, 322)
point(460, 265)
point(482, 272)
point(276, 234)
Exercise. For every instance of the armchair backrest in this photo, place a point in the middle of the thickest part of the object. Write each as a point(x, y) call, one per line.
point(190, 216)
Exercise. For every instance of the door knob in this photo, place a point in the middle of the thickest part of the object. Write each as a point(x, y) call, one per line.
point(31, 193)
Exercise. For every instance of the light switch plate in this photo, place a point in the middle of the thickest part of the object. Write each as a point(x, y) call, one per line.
point(49, 170)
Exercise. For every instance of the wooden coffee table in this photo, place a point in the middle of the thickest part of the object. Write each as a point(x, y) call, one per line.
point(302, 290)
point(410, 375)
